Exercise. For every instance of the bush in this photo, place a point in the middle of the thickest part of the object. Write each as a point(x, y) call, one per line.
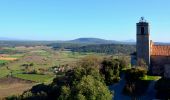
point(90, 61)
point(31, 64)
point(110, 69)
point(13, 97)
point(92, 89)
point(135, 87)
point(134, 74)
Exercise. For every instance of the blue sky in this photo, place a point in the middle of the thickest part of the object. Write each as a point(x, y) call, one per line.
point(70, 19)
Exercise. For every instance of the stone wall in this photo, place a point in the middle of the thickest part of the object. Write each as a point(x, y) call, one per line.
point(167, 71)
point(143, 48)
point(158, 64)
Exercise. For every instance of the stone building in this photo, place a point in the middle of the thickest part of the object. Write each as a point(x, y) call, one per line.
point(156, 56)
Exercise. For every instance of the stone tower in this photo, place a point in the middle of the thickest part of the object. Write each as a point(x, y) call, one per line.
point(143, 41)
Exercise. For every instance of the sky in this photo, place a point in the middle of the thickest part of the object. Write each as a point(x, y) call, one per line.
point(70, 19)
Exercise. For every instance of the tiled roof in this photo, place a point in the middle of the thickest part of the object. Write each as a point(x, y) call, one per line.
point(160, 50)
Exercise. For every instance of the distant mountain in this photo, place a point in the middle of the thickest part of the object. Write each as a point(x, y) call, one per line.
point(92, 41)
point(99, 41)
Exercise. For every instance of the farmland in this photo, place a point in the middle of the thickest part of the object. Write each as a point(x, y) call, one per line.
point(42, 58)
point(25, 64)
point(34, 64)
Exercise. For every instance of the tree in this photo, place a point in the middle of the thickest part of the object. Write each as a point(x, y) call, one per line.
point(90, 61)
point(134, 74)
point(135, 87)
point(110, 69)
point(92, 89)
point(65, 93)
point(124, 62)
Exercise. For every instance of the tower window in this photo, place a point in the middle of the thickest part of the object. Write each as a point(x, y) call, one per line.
point(142, 30)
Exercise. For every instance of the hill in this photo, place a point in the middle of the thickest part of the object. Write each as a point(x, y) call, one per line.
point(91, 41)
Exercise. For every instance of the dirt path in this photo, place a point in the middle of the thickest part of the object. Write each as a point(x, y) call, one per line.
point(117, 88)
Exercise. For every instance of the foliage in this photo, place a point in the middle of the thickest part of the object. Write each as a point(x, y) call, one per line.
point(135, 87)
point(110, 69)
point(81, 83)
point(3, 62)
point(90, 61)
point(123, 62)
point(107, 48)
point(13, 97)
point(92, 89)
point(135, 74)
point(87, 88)
point(58, 46)
point(65, 93)
point(98, 48)
point(73, 76)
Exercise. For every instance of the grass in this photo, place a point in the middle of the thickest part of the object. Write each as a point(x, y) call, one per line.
point(4, 72)
point(3, 61)
point(16, 55)
point(41, 52)
point(36, 77)
point(151, 78)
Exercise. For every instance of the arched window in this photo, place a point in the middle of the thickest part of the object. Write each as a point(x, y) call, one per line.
point(142, 30)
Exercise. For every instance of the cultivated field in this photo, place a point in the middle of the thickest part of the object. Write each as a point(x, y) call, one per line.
point(13, 86)
point(23, 67)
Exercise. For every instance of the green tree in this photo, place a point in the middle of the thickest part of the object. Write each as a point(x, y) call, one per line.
point(134, 74)
point(90, 61)
point(110, 69)
point(83, 83)
point(65, 93)
point(135, 87)
point(91, 89)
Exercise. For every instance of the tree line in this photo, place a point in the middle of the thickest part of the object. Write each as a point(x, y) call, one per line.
point(98, 48)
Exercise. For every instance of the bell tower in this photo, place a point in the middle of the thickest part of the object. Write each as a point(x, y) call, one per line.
point(143, 41)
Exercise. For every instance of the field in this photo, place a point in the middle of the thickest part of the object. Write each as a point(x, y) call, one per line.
point(34, 64)
point(14, 85)
point(2, 61)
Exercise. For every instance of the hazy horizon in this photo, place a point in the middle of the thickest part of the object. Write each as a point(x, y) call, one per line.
point(68, 20)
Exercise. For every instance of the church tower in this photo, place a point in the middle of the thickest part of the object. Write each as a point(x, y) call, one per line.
point(143, 41)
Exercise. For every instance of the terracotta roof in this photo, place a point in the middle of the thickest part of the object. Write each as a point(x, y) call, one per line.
point(160, 50)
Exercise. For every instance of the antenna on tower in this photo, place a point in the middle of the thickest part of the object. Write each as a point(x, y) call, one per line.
point(142, 19)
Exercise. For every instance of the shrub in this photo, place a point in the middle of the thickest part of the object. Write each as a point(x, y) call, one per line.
point(135, 74)
point(110, 69)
